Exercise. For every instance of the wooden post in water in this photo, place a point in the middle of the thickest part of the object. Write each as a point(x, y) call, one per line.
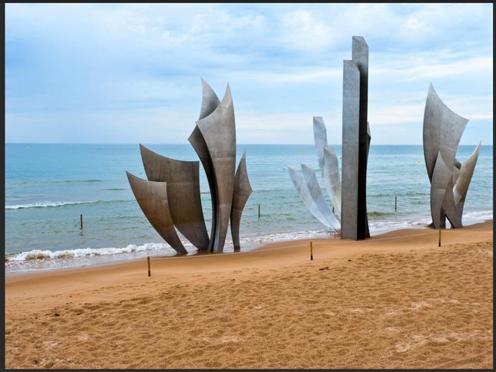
point(81, 220)
point(439, 242)
point(149, 270)
point(259, 211)
point(395, 203)
point(311, 251)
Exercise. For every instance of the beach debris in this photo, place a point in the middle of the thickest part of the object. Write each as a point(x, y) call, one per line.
point(324, 268)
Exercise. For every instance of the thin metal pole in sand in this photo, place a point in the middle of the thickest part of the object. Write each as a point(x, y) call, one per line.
point(149, 269)
point(81, 220)
point(439, 241)
point(311, 251)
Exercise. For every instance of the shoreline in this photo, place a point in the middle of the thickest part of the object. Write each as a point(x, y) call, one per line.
point(50, 260)
point(114, 260)
point(290, 248)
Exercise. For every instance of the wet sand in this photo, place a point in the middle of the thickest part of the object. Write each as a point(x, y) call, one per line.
point(394, 301)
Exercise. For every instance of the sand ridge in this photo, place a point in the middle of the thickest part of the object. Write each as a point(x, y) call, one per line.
point(394, 301)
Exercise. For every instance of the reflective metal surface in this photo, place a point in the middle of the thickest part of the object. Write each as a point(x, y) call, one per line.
point(332, 180)
point(242, 191)
point(152, 198)
point(183, 192)
point(310, 193)
point(172, 196)
point(219, 132)
point(442, 131)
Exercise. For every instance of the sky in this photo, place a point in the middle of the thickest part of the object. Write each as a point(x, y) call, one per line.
point(129, 73)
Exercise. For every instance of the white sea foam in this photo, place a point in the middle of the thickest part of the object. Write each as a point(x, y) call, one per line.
point(470, 218)
point(43, 259)
point(48, 204)
point(37, 254)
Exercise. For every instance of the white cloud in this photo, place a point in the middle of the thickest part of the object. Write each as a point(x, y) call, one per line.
point(141, 63)
point(303, 31)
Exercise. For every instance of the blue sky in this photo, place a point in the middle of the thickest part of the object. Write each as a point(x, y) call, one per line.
point(129, 73)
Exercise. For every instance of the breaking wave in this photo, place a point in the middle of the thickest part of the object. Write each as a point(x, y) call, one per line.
point(38, 254)
point(48, 204)
point(38, 259)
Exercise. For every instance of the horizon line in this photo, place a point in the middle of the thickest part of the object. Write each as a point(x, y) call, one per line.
point(187, 143)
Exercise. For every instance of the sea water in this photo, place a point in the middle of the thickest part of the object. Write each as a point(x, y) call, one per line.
point(48, 187)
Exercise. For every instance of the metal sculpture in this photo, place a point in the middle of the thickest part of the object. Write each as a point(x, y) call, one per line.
point(328, 163)
point(310, 193)
point(183, 192)
point(219, 133)
point(242, 191)
point(356, 143)
point(306, 183)
point(348, 193)
point(320, 139)
point(171, 197)
point(152, 198)
point(332, 179)
point(442, 131)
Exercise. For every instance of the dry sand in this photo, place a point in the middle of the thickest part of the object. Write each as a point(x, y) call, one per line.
point(396, 300)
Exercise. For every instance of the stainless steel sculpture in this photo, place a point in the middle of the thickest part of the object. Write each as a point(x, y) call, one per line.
point(242, 191)
point(320, 139)
point(356, 143)
point(183, 193)
point(306, 183)
point(348, 193)
point(332, 179)
point(219, 133)
point(152, 198)
point(449, 179)
point(310, 193)
point(171, 197)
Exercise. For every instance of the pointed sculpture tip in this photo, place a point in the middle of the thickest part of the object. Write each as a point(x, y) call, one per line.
point(205, 85)
point(477, 148)
point(304, 166)
point(129, 175)
point(228, 89)
point(227, 94)
point(291, 168)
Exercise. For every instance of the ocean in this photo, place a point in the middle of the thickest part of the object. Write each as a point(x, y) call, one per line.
point(48, 187)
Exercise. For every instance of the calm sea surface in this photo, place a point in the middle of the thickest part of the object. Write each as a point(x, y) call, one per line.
point(49, 186)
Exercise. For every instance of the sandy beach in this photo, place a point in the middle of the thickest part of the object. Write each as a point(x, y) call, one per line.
point(394, 301)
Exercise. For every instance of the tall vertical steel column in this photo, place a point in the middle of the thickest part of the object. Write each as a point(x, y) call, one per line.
point(356, 142)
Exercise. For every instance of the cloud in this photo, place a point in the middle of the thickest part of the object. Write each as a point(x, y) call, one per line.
point(91, 66)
